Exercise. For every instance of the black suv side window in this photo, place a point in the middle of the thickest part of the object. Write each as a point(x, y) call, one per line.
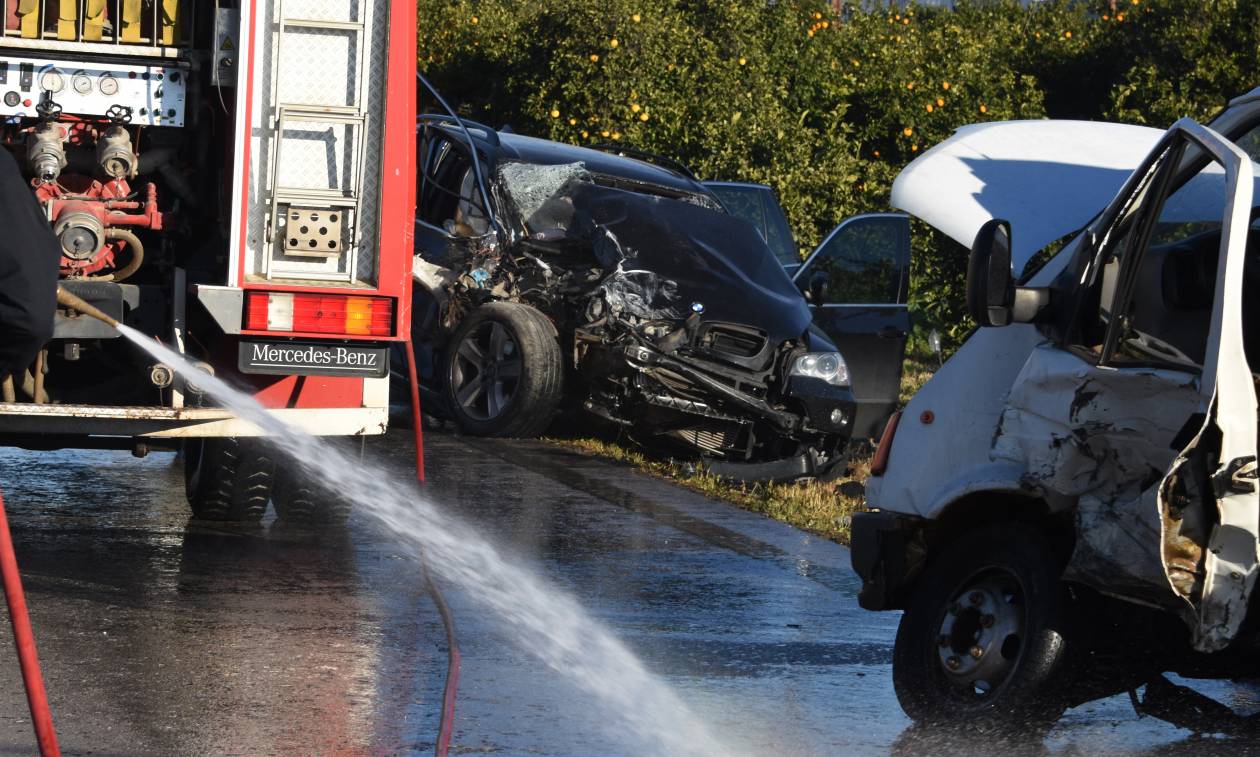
point(447, 196)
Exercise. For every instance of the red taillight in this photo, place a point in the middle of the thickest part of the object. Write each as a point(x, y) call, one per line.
point(319, 313)
point(879, 463)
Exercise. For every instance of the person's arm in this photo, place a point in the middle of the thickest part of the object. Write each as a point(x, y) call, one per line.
point(29, 261)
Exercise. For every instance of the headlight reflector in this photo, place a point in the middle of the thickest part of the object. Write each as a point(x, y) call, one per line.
point(828, 366)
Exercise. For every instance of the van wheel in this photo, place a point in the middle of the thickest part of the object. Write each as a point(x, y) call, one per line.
point(299, 501)
point(983, 640)
point(228, 479)
point(504, 371)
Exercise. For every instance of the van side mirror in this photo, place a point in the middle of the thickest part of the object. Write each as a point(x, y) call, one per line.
point(992, 297)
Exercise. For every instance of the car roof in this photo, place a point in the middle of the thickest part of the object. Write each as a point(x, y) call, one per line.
point(509, 146)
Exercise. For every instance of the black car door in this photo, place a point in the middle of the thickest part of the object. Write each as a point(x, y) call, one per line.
point(857, 283)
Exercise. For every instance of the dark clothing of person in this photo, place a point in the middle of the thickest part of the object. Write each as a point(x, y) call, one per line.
point(30, 257)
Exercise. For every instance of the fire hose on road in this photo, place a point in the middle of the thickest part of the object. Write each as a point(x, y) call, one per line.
point(24, 640)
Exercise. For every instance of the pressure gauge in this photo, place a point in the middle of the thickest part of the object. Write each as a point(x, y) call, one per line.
point(51, 80)
point(109, 85)
point(81, 82)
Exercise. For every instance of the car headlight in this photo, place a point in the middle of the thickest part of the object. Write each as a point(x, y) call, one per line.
point(828, 366)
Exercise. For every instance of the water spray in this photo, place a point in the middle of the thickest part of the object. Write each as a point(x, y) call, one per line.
point(547, 622)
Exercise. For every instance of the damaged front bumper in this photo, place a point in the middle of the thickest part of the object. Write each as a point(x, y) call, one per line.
point(747, 428)
point(888, 551)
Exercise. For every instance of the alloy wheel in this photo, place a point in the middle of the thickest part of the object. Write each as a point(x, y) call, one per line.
point(486, 371)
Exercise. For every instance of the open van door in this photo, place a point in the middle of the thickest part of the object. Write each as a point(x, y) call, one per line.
point(1142, 410)
point(857, 283)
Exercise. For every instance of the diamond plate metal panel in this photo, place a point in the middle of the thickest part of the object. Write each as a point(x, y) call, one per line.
point(331, 10)
point(377, 56)
point(317, 155)
point(318, 70)
point(318, 67)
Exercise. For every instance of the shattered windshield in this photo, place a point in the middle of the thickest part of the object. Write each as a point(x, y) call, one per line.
point(541, 195)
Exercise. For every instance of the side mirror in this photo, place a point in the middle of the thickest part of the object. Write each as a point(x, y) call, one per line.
point(992, 297)
point(990, 285)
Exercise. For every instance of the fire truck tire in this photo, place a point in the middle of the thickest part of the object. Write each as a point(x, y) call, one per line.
point(504, 371)
point(300, 502)
point(985, 638)
point(228, 479)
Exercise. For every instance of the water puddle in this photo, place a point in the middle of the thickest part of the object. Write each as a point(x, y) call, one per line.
point(541, 619)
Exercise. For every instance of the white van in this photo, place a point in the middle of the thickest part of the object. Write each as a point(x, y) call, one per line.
point(1069, 508)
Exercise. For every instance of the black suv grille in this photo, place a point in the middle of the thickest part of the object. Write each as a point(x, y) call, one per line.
point(742, 345)
point(735, 343)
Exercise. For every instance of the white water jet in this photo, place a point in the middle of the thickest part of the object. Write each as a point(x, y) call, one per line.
point(546, 621)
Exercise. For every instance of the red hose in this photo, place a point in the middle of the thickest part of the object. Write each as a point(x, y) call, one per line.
point(417, 423)
point(451, 688)
point(24, 640)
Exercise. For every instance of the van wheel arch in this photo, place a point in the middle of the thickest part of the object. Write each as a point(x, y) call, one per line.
point(981, 509)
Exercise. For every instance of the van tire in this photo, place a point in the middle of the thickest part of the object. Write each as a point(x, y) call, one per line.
point(300, 501)
point(998, 590)
point(228, 479)
point(527, 398)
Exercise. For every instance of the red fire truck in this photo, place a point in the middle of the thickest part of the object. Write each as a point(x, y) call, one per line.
point(235, 179)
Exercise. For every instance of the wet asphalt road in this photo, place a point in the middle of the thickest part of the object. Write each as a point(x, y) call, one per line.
point(162, 636)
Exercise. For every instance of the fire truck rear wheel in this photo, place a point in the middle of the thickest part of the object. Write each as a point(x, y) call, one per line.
point(504, 371)
point(228, 479)
point(298, 501)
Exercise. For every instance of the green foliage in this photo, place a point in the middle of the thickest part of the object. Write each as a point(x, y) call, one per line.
point(828, 108)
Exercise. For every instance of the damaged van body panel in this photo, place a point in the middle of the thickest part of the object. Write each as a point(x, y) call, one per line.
point(674, 318)
point(1104, 439)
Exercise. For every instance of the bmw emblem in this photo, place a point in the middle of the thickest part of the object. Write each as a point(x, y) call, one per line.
point(697, 307)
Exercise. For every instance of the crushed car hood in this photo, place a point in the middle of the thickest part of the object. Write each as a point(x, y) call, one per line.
point(663, 258)
point(1048, 178)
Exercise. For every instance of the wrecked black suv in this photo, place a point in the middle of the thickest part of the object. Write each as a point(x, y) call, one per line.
point(571, 276)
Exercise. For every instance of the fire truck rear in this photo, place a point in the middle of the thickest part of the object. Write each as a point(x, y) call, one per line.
point(231, 178)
